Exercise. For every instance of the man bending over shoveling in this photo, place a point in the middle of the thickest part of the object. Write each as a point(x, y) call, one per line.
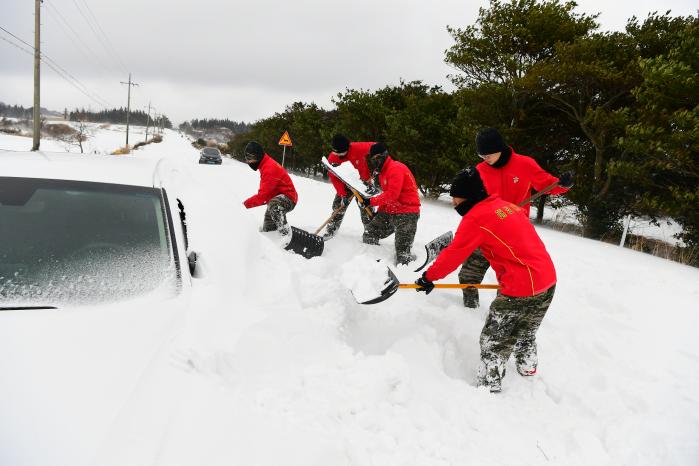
point(343, 150)
point(398, 205)
point(276, 189)
point(523, 268)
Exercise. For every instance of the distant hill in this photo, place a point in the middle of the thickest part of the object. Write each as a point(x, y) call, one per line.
point(212, 129)
point(18, 111)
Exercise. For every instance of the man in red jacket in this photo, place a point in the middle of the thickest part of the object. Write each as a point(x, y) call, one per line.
point(523, 268)
point(512, 177)
point(276, 189)
point(398, 206)
point(355, 153)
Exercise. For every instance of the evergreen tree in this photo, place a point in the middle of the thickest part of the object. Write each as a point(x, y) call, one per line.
point(662, 132)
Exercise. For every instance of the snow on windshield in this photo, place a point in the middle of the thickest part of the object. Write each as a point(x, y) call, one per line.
point(66, 241)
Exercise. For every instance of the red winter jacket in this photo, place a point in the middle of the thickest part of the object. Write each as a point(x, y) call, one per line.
point(510, 243)
point(274, 180)
point(514, 181)
point(357, 156)
point(399, 194)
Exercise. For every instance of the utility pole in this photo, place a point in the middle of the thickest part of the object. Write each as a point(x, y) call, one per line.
point(37, 82)
point(147, 121)
point(128, 106)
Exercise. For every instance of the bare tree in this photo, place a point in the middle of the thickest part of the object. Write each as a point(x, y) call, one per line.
point(72, 136)
point(82, 134)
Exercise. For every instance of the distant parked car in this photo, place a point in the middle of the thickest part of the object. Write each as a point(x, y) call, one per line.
point(210, 155)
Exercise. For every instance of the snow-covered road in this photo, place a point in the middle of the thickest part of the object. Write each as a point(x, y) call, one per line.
point(277, 364)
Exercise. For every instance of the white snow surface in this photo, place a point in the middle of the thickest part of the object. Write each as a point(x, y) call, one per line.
point(274, 363)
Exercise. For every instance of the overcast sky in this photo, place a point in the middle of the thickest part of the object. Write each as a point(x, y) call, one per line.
point(242, 60)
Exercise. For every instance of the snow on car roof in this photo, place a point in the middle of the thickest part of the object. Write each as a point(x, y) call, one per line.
point(118, 169)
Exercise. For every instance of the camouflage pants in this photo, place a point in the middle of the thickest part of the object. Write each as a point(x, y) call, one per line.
point(275, 215)
point(472, 271)
point(511, 326)
point(404, 226)
point(335, 223)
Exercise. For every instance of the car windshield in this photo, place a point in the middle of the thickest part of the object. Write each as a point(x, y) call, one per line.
point(80, 242)
point(210, 151)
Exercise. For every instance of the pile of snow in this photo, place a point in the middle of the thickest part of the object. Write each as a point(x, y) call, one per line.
point(275, 362)
point(365, 277)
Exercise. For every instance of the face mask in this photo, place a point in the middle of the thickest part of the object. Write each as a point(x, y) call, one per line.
point(463, 208)
point(376, 163)
point(254, 165)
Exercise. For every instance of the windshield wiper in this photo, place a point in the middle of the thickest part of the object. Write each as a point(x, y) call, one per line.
point(25, 308)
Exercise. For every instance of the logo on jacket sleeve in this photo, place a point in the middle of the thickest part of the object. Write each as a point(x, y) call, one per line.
point(515, 179)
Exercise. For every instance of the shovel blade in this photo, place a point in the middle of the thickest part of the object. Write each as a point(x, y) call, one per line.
point(304, 243)
point(390, 287)
point(434, 247)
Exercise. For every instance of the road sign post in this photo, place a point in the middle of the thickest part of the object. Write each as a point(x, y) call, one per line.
point(285, 141)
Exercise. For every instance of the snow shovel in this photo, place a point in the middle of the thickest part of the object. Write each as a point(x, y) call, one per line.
point(434, 247)
point(332, 216)
point(392, 285)
point(304, 243)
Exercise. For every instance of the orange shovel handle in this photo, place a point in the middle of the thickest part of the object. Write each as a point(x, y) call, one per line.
point(453, 285)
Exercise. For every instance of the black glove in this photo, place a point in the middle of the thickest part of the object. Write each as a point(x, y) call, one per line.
point(370, 188)
point(566, 180)
point(365, 200)
point(424, 284)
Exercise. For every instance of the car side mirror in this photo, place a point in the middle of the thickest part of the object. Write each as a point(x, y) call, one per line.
point(192, 261)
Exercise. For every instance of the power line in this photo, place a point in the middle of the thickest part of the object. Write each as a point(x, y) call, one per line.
point(63, 74)
point(96, 57)
point(106, 37)
point(92, 28)
point(17, 46)
point(29, 45)
point(81, 45)
point(46, 59)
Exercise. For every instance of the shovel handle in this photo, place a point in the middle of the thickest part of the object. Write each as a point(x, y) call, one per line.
point(538, 194)
point(332, 216)
point(453, 285)
point(366, 208)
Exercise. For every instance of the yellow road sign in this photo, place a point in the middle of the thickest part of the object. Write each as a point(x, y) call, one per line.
point(285, 140)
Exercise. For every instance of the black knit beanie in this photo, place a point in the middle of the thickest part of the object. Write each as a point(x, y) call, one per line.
point(489, 141)
point(377, 148)
point(467, 184)
point(340, 143)
point(254, 151)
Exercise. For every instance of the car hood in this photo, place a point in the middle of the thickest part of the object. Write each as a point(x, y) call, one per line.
point(70, 375)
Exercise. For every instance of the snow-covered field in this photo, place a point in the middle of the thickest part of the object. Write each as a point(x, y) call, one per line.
point(101, 139)
point(276, 364)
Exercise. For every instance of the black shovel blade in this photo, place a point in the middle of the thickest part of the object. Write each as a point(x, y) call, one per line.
point(304, 243)
point(390, 287)
point(434, 247)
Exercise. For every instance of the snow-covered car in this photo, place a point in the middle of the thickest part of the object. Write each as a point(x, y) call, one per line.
point(210, 155)
point(95, 273)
